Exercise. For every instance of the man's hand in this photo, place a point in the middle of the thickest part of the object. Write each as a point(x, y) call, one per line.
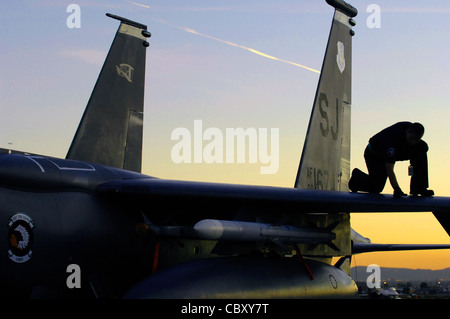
point(391, 175)
point(398, 193)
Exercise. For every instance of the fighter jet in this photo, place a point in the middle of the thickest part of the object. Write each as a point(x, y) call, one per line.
point(130, 235)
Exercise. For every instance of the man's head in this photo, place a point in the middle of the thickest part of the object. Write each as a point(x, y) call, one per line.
point(414, 133)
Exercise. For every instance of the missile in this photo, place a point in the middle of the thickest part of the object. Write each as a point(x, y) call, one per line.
point(213, 229)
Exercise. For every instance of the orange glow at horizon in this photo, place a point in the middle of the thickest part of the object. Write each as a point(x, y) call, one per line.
point(381, 228)
point(404, 228)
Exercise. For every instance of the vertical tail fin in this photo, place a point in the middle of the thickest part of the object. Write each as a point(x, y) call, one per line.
point(110, 132)
point(325, 161)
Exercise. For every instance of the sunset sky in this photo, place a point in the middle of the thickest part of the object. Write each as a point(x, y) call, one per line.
point(239, 64)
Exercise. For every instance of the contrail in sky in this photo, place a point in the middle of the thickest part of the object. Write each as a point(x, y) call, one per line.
point(140, 4)
point(227, 42)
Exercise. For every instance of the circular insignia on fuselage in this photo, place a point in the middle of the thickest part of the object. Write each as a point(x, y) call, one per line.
point(20, 238)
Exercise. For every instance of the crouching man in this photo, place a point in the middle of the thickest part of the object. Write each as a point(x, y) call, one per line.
point(399, 142)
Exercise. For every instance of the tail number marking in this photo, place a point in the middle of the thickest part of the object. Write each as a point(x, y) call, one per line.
point(321, 179)
point(323, 107)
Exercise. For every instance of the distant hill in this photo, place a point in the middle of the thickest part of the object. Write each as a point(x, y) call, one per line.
point(360, 273)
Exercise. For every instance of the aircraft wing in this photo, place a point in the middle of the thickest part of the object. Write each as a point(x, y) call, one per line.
point(300, 200)
point(307, 201)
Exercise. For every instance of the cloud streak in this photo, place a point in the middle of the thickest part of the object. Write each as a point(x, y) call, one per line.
point(265, 55)
point(254, 51)
point(444, 10)
point(139, 4)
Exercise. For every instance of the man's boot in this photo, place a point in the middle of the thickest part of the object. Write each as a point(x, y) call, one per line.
point(423, 192)
point(353, 183)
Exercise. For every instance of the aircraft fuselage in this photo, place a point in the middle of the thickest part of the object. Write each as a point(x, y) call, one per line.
point(51, 219)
